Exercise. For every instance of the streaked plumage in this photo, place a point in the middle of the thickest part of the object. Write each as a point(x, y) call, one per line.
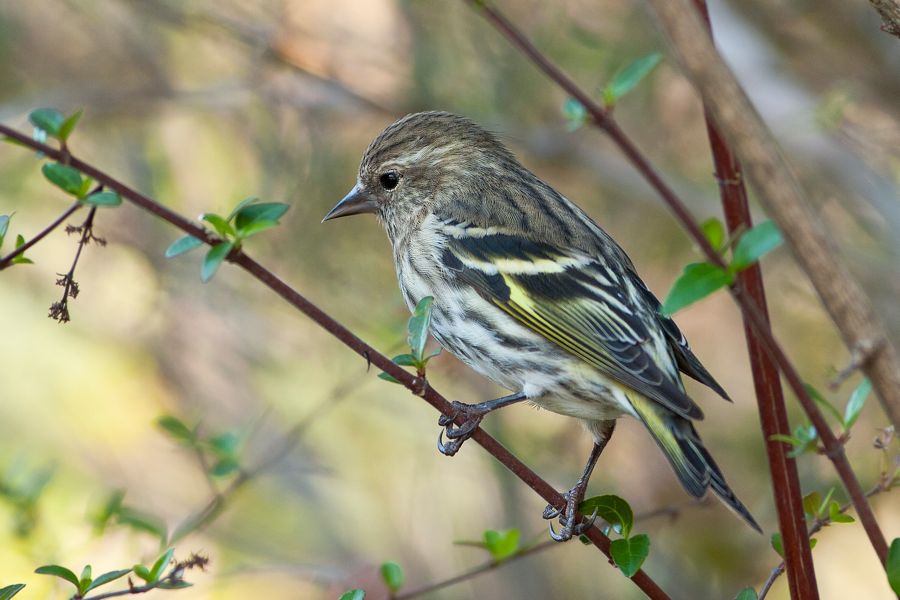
point(528, 290)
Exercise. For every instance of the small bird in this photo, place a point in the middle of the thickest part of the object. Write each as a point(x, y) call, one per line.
point(532, 294)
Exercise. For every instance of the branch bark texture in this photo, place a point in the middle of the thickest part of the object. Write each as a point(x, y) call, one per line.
point(890, 15)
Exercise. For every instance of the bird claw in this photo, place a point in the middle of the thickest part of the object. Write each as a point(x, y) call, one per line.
point(457, 434)
point(567, 517)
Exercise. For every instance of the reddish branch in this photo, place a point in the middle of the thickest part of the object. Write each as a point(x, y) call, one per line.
point(769, 396)
point(372, 356)
point(600, 117)
point(8, 259)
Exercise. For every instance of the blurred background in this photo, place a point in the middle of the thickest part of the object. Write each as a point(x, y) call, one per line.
point(200, 104)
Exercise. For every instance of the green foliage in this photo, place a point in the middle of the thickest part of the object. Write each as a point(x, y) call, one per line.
point(182, 245)
point(856, 403)
point(53, 123)
point(392, 575)
point(66, 178)
point(83, 584)
point(778, 544)
point(11, 590)
point(213, 260)
point(629, 553)
point(502, 544)
point(355, 594)
point(22, 489)
point(417, 337)
point(699, 280)
point(574, 113)
point(103, 198)
point(746, 594)
point(176, 428)
point(893, 566)
point(61, 572)
point(221, 448)
point(627, 78)
point(20, 241)
point(805, 439)
point(4, 227)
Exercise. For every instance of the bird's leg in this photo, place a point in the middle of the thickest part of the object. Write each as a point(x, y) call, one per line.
point(470, 415)
point(575, 496)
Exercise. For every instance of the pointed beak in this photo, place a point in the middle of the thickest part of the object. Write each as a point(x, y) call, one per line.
point(354, 203)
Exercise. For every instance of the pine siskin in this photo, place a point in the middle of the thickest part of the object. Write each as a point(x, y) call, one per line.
point(532, 294)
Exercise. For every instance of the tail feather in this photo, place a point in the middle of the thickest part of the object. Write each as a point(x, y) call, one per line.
point(693, 464)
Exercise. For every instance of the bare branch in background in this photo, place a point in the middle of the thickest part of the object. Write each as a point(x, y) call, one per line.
point(890, 15)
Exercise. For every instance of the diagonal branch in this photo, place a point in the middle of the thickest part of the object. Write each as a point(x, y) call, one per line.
point(327, 322)
point(834, 448)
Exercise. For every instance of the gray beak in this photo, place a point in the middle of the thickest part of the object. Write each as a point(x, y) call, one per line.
point(354, 203)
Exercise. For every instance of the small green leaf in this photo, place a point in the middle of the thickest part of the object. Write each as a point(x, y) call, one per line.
point(141, 522)
point(835, 514)
point(777, 545)
point(387, 377)
point(698, 281)
point(356, 594)
point(612, 509)
point(629, 553)
point(107, 510)
point(392, 575)
point(63, 176)
point(182, 245)
point(20, 259)
point(4, 227)
point(856, 403)
point(107, 577)
point(405, 360)
point(224, 444)
point(213, 260)
point(714, 231)
point(86, 183)
point(255, 227)
point(254, 213)
point(574, 113)
point(239, 206)
point(747, 593)
point(418, 327)
point(104, 198)
point(811, 504)
point(174, 585)
point(626, 79)
point(176, 428)
point(58, 571)
point(222, 227)
point(84, 581)
point(823, 402)
point(47, 119)
point(11, 590)
point(502, 544)
point(754, 244)
point(142, 572)
point(68, 126)
point(161, 564)
point(224, 467)
point(585, 540)
point(812, 543)
point(893, 566)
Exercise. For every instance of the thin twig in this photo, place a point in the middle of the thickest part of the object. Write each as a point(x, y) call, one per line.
point(175, 577)
point(601, 118)
point(59, 311)
point(7, 260)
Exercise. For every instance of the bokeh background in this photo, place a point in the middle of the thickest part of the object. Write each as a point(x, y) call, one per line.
point(200, 104)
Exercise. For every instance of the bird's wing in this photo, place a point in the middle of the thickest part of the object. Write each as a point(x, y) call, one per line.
point(578, 302)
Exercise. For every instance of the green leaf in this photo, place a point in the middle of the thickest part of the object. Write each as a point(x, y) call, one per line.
point(64, 177)
point(629, 553)
point(107, 577)
point(142, 572)
point(107, 510)
point(176, 428)
point(11, 590)
point(835, 514)
point(823, 402)
point(222, 227)
point(405, 360)
point(254, 213)
point(239, 206)
point(182, 245)
point(68, 126)
point(174, 585)
point(356, 594)
point(224, 467)
point(893, 566)
point(387, 377)
point(392, 575)
point(777, 544)
point(104, 198)
point(612, 509)
point(811, 504)
point(255, 227)
point(85, 580)
point(160, 565)
point(714, 231)
point(4, 227)
point(20, 259)
point(224, 444)
point(856, 402)
point(47, 119)
point(141, 522)
point(574, 113)
point(58, 571)
point(585, 540)
point(502, 544)
point(418, 327)
point(747, 593)
point(698, 281)
point(213, 260)
point(626, 79)
point(754, 244)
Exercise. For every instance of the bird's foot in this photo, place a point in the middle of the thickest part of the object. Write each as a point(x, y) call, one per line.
point(472, 414)
point(568, 515)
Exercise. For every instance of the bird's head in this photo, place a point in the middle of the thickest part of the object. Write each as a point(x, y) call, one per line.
point(422, 159)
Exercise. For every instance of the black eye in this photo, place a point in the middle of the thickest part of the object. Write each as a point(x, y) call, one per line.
point(389, 180)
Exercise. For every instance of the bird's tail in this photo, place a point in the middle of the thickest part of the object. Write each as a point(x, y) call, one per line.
point(693, 464)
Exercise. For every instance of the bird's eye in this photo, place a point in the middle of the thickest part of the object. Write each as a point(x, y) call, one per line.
point(389, 180)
